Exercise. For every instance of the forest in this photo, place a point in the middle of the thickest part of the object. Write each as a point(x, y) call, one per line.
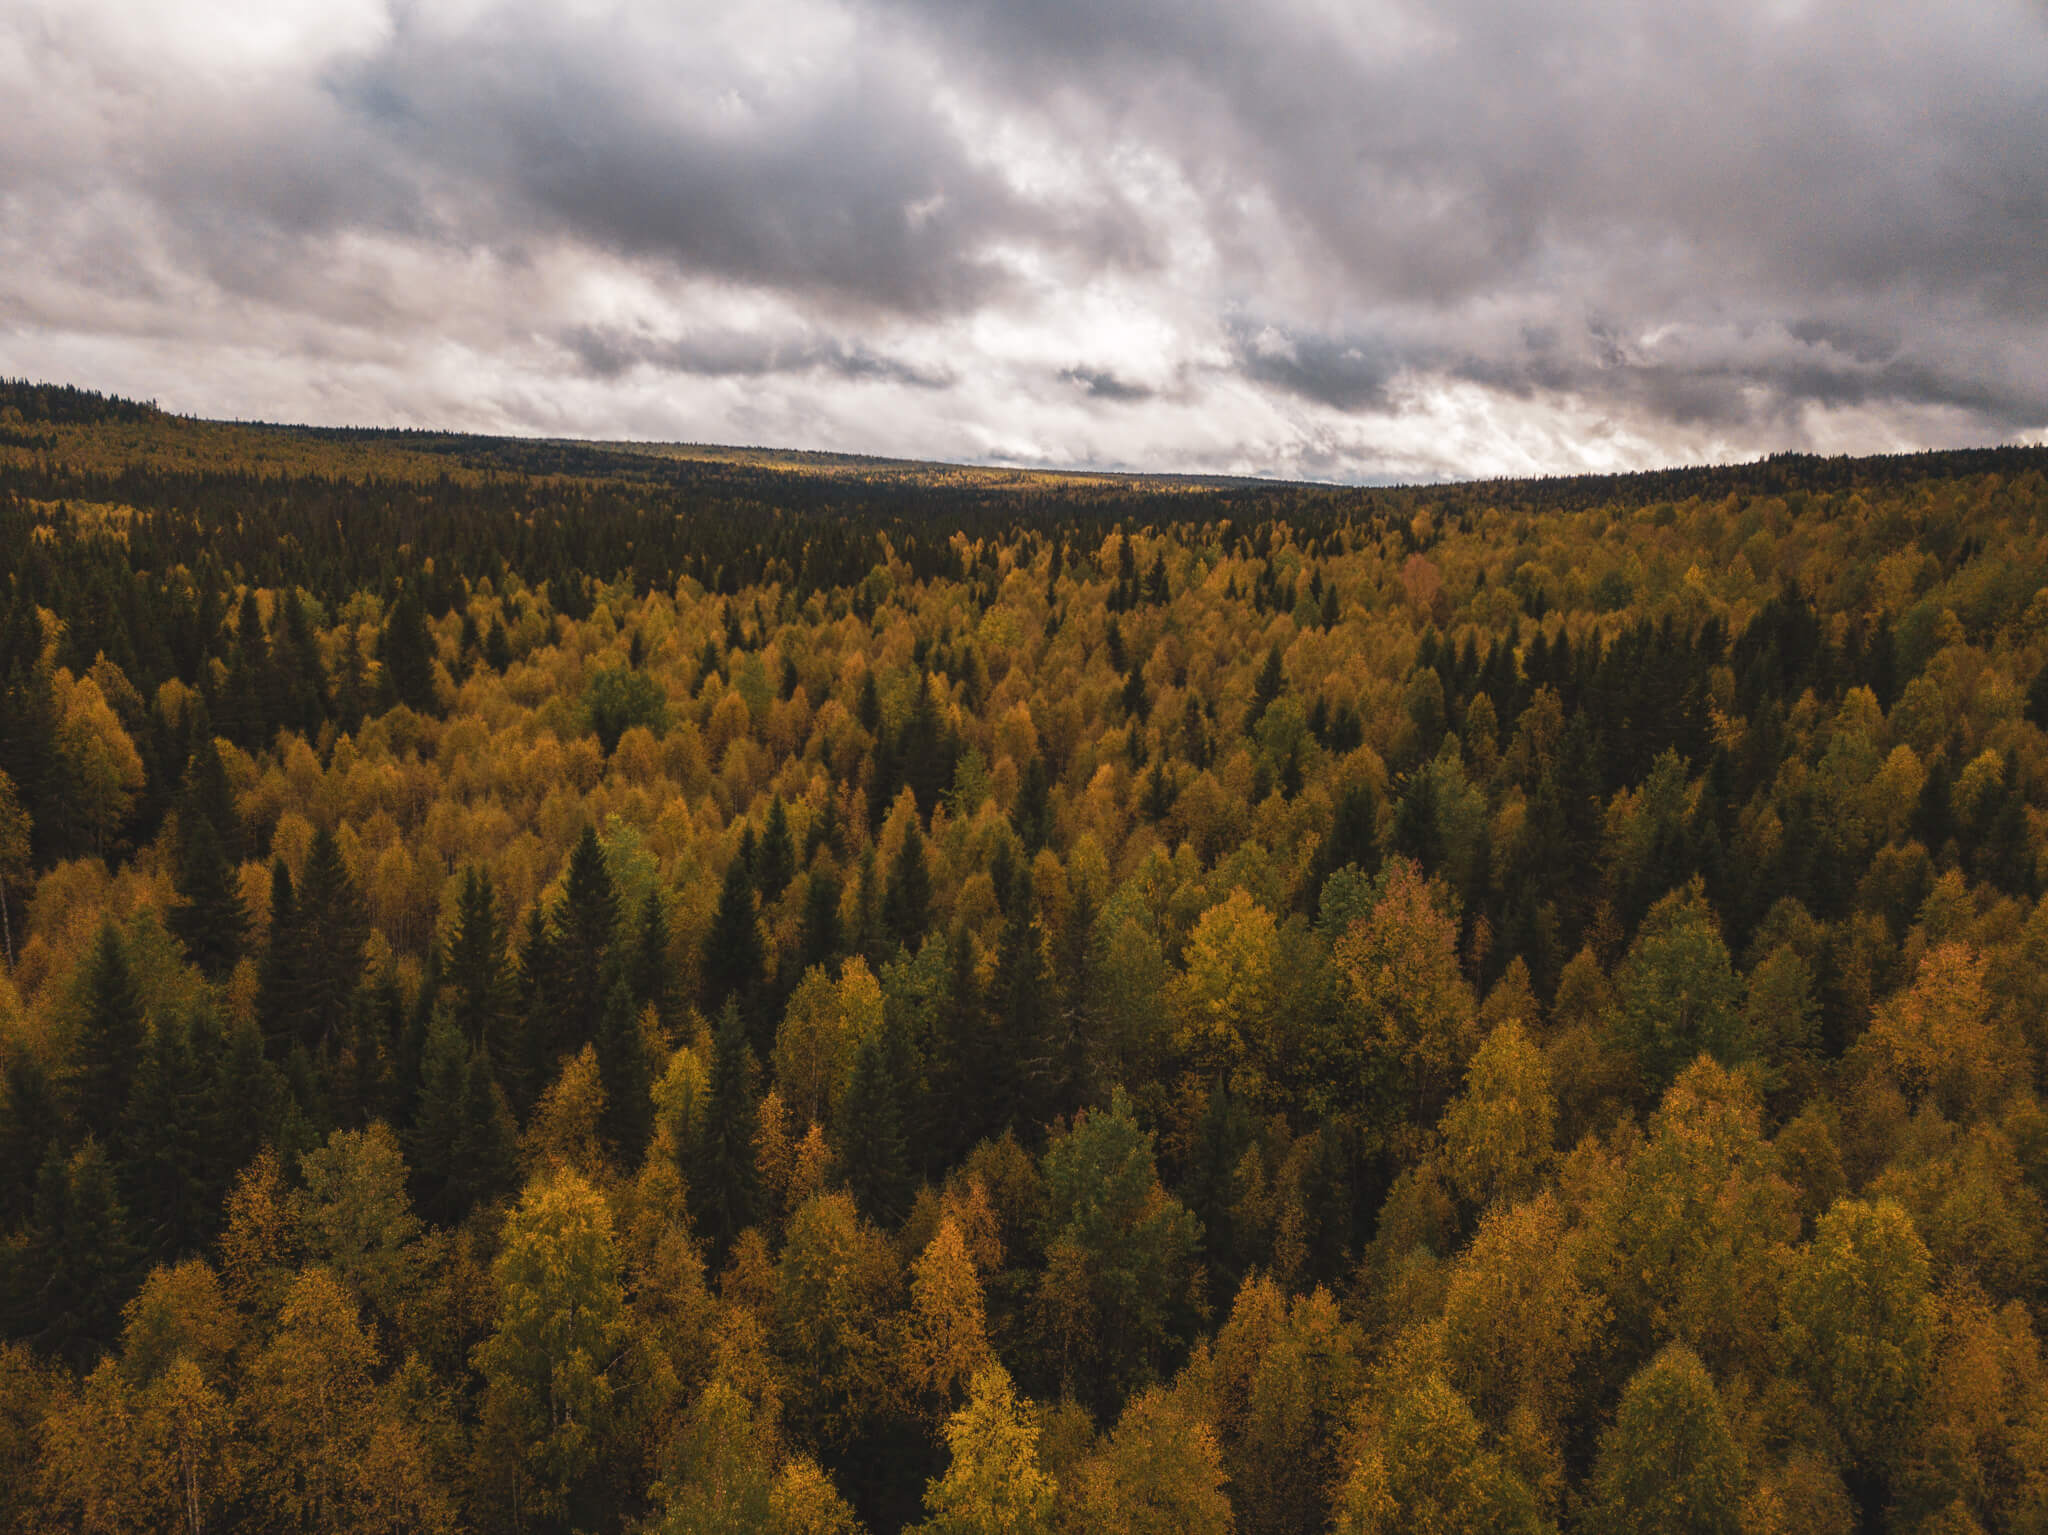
point(575, 987)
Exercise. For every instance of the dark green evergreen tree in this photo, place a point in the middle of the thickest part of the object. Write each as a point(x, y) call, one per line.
point(76, 1267)
point(820, 941)
point(875, 1116)
point(622, 1067)
point(733, 963)
point(208, 917)
point(110, 1039)
point(31, 1122)
point(775, 859)
point(162, 1151)
point(477, 973)
point(586, 925)
point(724, 1192)
point(407, 651)
point(907, 898)
point(331, 929)
point(652, 986)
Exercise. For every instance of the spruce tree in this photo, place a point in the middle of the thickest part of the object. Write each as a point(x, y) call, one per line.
point(651, 983)
point(162, 1149)
point(78, 1259)
point(332, 927)
point(875, 1116)
point(476, 972)
point(30, 1124)
point(110, 1039)
point(280, 977)
point(622, 1068)
point(907, 898)
point(437, 1123)
point(724, 1194)
point(208, 917)
point(733, 961)
point(587, 924)
point(820, 941)
point(407, 650)
point(775, 858)
point(485, 1164)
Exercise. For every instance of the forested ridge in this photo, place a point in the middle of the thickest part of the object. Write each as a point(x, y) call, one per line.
point(561, 986)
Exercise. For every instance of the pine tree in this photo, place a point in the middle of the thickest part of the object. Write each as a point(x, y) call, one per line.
point(907, 898)
point(208, 918)
point(497, 647)
point(79, 1258)
point(821, 941)
point(723, 1192)
point(407, 650)
point(110, 1039)
point(477, 973)
point(30, 1123)
point(622, 1068)
point(587, 925)
point(650, 965)
point(874, 1119)
point(775, 859)
point(333, 927)
point(437, 1123)
point(486, 1152)
point(733, 962)
point(161, 1147)
point(280, 978)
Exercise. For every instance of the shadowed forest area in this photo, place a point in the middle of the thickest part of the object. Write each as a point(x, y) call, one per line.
point(574, 987)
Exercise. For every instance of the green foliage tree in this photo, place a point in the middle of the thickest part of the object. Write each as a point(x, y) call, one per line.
point(1669, 1464)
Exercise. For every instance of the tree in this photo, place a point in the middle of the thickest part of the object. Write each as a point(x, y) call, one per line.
point(15, 860)
point(628, 1080)
point(907, 897)
point(733, 965)
point(1679, 994)
point(1859, 1324)
point(549, 1396)
point(876, 1116)
point(835, 1288)
point(476, 971)
point(948, 1322)
point(993, 1485)
point(208, 918)
point(1411, 1013)
point(406, 648)
point(1497, 1134)
point(723, 1186)
point(775, 858)
point(1115, 1299)
point(1226, 998)
point(620, 698)
point(354, 1215)
point(1668, 1464)
point(110, 1038)
point(1423, 1466)
point(1160, 1474)
point(328, 928)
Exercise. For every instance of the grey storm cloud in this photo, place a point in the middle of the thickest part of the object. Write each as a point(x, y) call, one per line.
point(1364, 240)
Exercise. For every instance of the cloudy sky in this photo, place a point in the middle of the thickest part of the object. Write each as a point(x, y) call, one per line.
point(1343, 239)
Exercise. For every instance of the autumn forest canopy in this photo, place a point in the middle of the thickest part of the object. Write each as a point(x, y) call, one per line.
point(559, 987)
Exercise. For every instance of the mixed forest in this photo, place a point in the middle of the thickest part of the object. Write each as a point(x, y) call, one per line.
point(563, 987)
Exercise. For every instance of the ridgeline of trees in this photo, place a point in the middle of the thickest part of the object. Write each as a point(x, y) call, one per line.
point(551, 987)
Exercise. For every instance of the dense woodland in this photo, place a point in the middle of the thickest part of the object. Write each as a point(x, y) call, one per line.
point(552, 987)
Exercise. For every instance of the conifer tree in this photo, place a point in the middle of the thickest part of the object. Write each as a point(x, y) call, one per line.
point(820, 941)
point(871, 1134)
point(77, 1266)
point(161, 1147)
point(650, 978)
point(208, 918)
point(477, 972)
point(587, 925)
point(723, 1194)
point(907, 898)
point(407, 651)
point(733, 961)
point(775, 858)
point(622, 1068)
point(329, 930)
point(110, 1039)
point(30, 1124)
point(280, 977)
